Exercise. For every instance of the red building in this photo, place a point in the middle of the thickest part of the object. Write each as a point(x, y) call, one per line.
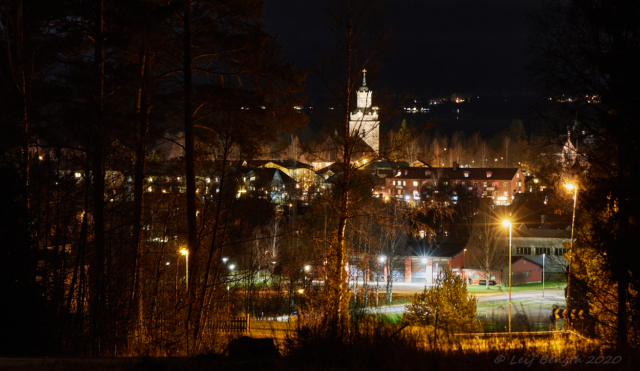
point(523, 270)
point(420, 183)
point(432, 260)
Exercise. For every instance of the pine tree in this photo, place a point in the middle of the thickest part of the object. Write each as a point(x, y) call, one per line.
point(446, 306)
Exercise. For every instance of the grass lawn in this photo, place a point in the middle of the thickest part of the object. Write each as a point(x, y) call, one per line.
point(527, 287)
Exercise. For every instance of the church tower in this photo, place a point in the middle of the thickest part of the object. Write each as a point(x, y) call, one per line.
point(364, 120)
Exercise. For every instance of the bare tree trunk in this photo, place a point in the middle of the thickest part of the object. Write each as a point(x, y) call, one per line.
point(97, 267)
point(337, 314)
point(192, 222)
point(142, 111)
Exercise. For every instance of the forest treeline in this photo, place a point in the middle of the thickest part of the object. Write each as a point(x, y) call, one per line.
point(91, 262)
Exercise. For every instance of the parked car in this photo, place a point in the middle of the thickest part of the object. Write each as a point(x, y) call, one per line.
point(484, 282)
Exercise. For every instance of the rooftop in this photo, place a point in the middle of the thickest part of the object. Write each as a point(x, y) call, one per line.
point(460, 173)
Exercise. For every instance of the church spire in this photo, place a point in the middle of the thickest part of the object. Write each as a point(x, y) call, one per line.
point(364, 81)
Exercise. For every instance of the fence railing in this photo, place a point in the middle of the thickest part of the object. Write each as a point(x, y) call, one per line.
point(236, 324)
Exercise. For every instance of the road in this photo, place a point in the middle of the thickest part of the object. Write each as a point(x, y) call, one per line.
point(495, 305)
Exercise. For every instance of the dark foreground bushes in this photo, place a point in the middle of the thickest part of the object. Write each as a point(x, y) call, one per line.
point(371, 345)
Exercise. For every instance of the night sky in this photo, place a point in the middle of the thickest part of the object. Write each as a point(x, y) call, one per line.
point(439, 47)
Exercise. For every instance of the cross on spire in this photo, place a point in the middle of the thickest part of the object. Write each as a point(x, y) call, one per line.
point(364, 77)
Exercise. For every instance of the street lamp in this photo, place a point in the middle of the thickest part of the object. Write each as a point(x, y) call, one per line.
point(574, 188)
point(464, 262)
point(185, 252)
point(506, 223)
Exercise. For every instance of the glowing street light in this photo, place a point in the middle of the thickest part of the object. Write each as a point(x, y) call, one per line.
point(307, 268)
point(185, 252)
point(464, 258)
point(382, 258)
point(506, 223)
point(574, 188)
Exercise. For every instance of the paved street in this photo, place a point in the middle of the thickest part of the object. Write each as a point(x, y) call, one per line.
point(495, 304)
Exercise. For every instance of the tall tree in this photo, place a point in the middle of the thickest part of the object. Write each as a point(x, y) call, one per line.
point(237, 93)
point(589, 51)
point(359, 38)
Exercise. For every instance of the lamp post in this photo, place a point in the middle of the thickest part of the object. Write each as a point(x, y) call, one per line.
point(574, 188)
point(464, 263)
point(506, 223)
point(185, 252)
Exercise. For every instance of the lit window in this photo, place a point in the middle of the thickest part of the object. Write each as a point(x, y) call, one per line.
point(78, 175)
point(415, 184)
point(208, 180)
point(404, 182)
point(506, 184)
point(489, 174)
point(517, 175)
point(394, 182)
